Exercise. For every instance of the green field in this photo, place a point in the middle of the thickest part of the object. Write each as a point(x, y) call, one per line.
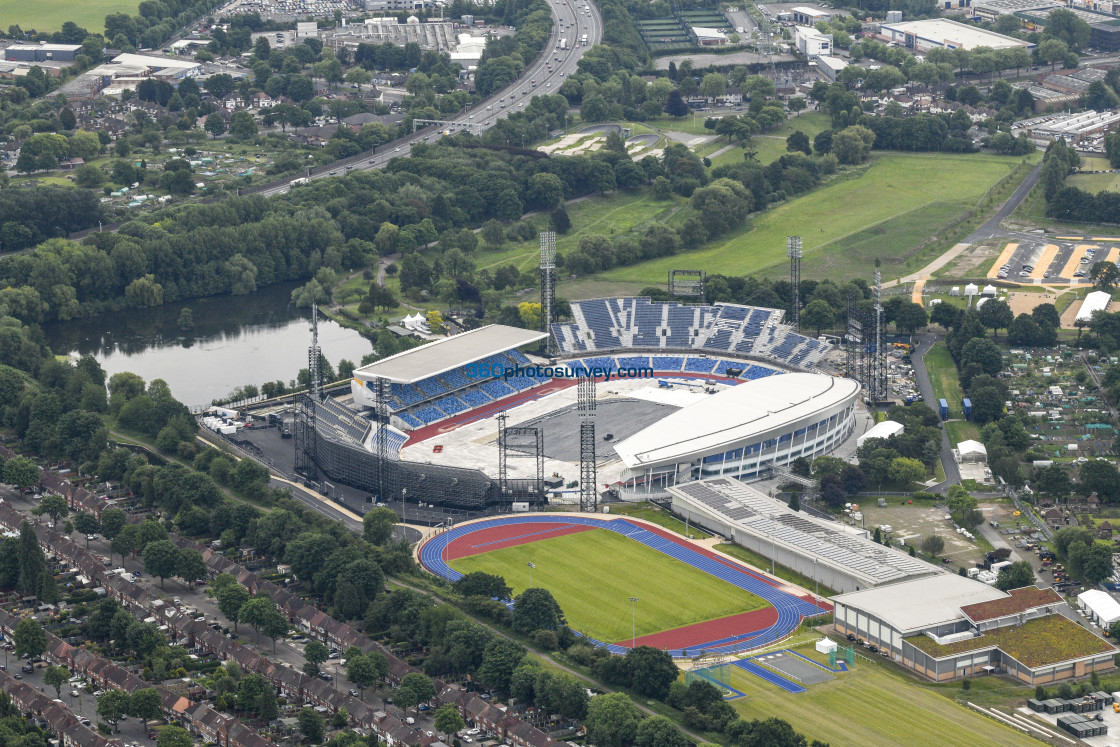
point(871, 705)
point(49, 15)
point(943, 377)
point(886, 211)
point(593, 574)
point(772, 145)
point(1095, 182)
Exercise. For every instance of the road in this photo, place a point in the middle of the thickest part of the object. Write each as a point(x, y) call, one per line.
point(948, 462)
point(548, 72)
point(991, 228)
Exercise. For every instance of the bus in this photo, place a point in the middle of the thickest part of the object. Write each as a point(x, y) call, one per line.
point(564, 43)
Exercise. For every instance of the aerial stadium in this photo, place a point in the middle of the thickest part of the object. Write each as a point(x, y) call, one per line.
point(684, 392)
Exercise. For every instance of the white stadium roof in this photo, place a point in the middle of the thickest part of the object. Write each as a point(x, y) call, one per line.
point(733, 415)
point(921, 603)
point(448, 353)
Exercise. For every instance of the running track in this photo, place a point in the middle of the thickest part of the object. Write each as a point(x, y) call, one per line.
point(790, 608)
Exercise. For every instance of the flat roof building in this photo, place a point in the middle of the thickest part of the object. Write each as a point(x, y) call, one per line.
point(448, 353)
point(805, 15)
point(990, 10)
point(834, 554)
point(811, 42)
point(708, 37)
point(42, 52)
point(950, 626)
point(939, 32)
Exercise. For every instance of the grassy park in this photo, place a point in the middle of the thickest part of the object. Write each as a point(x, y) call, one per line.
point(49, 15)
point(886, 211)
point(593, 574)
point(872, 704)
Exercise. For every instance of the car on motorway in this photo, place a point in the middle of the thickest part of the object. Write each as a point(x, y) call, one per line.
point(396, 150)
point(332, 173)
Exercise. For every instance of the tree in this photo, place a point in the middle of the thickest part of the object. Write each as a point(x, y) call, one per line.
point(32, 561)
point(126, 541)
point(1101, 477)
point(316, 653)
point(818, 315)
point(1015, 576)
point(268, 708)
point(853, 144)
point(933, 544)
point(145, 703)
point(996, 314)
point(310, 725)
point(1104, 275)
point(377, 525)
point(361, 671)
point(652, 671)
point(231, 599)
point(962, 507)
point(52, 505)
point(174, 736)
point(906, 470)
point(1052, 51)
point(659, 731)
point(112, 520)
point(448, 720)
point(86, 523)
point(1065, 25)
point(112, 705)
point(1096, 563)
point(536, 609)
point(161, 558)
point(30, 638)
point(215, 125)
point(499, 660)
point(191, 567)
point(675, 105)
point(417, 687)
point(21, 472)
point(910, 317)
point(56, 677)
point(798, 141)
point(242, 125)
point(612, 720)
point(796, 105)
point(256, 612)
point(481, 584)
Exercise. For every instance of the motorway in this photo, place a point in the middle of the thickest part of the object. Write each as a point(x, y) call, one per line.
point(574, 19)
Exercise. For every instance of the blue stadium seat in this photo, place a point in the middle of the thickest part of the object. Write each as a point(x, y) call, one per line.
point(410, 419)
point(428, 415)
point(666, 363)
point(475, 397)
point(497, 388)
point(699, 365)
point(451, 405)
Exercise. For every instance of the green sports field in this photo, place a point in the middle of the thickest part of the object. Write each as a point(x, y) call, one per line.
point(593, 574)
point(887, 211)
point(871, 705)
point(49, 15)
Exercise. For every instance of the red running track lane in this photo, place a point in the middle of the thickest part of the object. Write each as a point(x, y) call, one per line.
point(710, 630)
point(508, 535)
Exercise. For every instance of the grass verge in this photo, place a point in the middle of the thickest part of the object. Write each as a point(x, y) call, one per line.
point(786, 574)
point(943, 376)
point(660, 517)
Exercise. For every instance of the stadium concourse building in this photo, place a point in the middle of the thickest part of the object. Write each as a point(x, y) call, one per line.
point(951, 626)
point(838, 556)
point(741, 432)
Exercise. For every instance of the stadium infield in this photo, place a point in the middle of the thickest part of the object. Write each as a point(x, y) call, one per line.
point(690, 597)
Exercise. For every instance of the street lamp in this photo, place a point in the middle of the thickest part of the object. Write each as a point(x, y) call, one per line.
point(404, 506)
point(531, 567)
point(633, 621)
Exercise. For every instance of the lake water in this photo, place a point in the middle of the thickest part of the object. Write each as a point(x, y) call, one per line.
point(236, 340)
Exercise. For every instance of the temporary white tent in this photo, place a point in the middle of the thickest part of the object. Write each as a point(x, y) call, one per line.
point(972, 451)
point(989, 290)
point(971, 289)
point(1099, 606)
point(1095, 301)
point(886, 429)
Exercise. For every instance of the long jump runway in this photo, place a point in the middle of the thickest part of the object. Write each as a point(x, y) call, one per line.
point(725, 636)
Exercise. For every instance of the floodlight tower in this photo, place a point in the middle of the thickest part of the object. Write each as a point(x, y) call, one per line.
point(878, 385)
point(548, 286)
point(588, 480)
point(381, 423)
point(793, 251)
point(313, 356)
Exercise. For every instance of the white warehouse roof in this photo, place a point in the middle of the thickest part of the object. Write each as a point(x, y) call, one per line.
point(733, 415)
point(886, 429)
point(1104, 607)
point(1095, 301)
point(911, 606)
point(954, 35)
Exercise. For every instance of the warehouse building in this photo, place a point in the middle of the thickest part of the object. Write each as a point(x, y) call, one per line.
point(948, 627)
point(42, 52)
point(1104, 28)
point(922, 36)
point(838, 556)
point(990, 10)
point(811, 42)
point(805, 15)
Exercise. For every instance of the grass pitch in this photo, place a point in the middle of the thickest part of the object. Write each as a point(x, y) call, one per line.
point(847, 224)
point(49, 15)
point(593, 574)
point(872, 704)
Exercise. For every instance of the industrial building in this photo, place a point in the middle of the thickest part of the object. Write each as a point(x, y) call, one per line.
point(434, 35)
point(1104, 28)
point(828, 66)
point(839, 556)
point(811, 42)
point(42, 52)
point(948, 627)
point(922, 36)
point(1073, 128)
point(990, 10)
point(708, 37)
point(742, 431)
point(805, 15)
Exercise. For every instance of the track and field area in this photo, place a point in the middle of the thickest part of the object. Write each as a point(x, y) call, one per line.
point(49, 15)
point(871, 704)
point(690, 597)
point(887, 211)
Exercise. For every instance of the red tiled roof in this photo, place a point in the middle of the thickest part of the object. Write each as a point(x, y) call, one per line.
point(1021, 600)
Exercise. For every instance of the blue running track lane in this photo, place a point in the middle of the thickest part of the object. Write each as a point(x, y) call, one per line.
point(766, 674)
point(791, 609)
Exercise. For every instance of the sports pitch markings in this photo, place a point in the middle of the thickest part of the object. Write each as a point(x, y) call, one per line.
point(512, 530)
